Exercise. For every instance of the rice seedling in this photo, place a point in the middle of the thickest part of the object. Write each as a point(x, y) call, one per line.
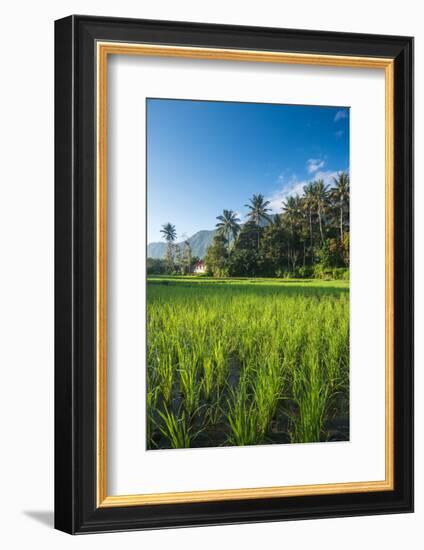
point(151, 403)
point(311, 395)
point(208, 381)
point(189, 384)
point(176, 428)
point(243, 417)
point(267, 388)
point(214, 411)
point(165, 373)
point(220, 362)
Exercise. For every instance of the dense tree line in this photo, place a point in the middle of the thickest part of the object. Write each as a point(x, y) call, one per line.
point(308, 238)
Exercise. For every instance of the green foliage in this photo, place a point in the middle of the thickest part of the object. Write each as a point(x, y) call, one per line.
point(258, 209)
point(305, 272)
point(330, 273)
point(217, 257)
point(228, 225)
point(340, 274)
point(325, 255)
point(156, 266)
point(243, 263)
point(345, 246)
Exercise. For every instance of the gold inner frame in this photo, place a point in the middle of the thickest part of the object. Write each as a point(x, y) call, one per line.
point(104, 49)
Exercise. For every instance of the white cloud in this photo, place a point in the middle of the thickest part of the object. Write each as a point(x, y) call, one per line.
point(277, 198)
point(291, 186)
point(327, 176)
point(313, 165)
point(340, 115)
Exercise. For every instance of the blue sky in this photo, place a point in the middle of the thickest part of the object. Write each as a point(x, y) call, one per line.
point(204, 156)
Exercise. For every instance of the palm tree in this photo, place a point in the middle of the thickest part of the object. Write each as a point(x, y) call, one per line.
point(228, 225)
point(321, 200)
point(340, 194)
point(309, 203)
point(169, 234)
point(187, 257)
point(293, 212)
point(258, 211)
point(289, 208)
point(276, 220)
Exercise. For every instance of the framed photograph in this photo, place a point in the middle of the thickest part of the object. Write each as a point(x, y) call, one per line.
point(234, 274)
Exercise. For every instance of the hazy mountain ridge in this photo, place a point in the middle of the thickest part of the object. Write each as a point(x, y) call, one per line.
point(199, 243)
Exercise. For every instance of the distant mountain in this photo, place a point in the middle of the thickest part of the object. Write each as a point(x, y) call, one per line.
point(156, 250)
point(199, 243)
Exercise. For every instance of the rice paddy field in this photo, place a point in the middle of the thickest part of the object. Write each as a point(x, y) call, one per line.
point(246, 361)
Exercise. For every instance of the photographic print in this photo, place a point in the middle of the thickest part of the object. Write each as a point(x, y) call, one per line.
point(211, 301)
point(247, 274)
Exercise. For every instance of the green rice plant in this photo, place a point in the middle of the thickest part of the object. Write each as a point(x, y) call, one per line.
point(243, 417)
point(311, 395)
point(208, 382)
point(190, 390)
point(189, 384)
point(335, 357)
point(267, 388)
point(165, 373)
point(152, 400)
point(214, 411)
point(176, 428)
point(220, 362)
point(197, 335)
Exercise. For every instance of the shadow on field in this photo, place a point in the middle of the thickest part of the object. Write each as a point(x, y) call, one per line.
point(293, 287)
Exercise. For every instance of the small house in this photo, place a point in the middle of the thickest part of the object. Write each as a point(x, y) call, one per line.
point(199, 267)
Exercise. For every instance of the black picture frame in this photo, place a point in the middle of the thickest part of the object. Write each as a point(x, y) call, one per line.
point(76, 510)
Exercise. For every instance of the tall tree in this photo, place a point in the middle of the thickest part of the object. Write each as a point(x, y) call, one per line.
point(178, 258)
point(340, 195)
point(216, 259)
point(228, 225)
point(169, 234)
point(309, 204)
point(187, 257)
point(293, 215)
point(258, 211)
point(273, 245)
point(321, 202)
point(290, 211)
